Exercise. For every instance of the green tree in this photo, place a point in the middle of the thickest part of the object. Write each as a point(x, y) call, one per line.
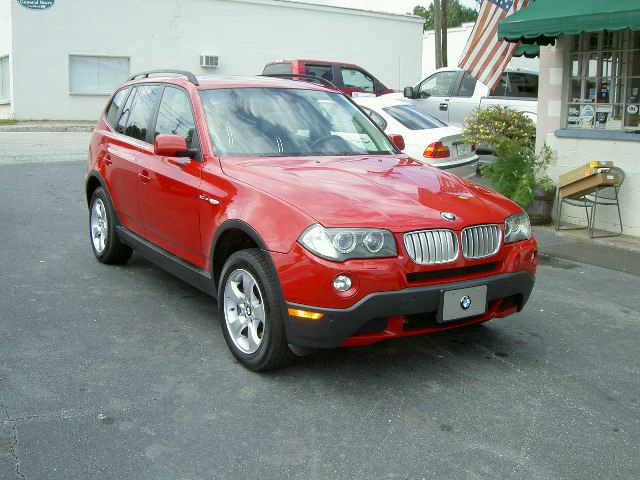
point(456, 14)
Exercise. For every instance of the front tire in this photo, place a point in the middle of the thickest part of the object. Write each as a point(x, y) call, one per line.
point(251, 312)
point(105, 243)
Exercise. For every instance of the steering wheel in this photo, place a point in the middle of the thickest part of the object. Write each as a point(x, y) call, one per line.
point(342, 144)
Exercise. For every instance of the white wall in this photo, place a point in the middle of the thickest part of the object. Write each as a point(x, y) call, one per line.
point(6, 110)
point(246, 34)
point(570, 153)
point(456, 41)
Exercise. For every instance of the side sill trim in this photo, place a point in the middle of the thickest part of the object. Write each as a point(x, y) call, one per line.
point(195, 276)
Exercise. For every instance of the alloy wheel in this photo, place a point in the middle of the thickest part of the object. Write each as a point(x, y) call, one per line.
point(244, 311)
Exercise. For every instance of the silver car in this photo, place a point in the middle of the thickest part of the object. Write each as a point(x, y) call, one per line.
point(451, 94)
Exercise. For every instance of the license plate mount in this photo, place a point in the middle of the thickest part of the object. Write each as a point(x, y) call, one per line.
point(462, 303)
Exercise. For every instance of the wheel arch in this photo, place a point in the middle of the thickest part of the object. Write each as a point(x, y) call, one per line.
point(94, 180)
point(232, 236)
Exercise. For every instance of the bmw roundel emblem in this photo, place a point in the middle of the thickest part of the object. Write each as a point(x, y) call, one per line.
point(448, 216)
point(465, 302)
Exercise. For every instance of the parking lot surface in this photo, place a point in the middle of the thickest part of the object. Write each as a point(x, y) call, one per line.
point(122, 372)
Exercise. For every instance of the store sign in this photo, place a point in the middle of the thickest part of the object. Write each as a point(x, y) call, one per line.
point(36, 4)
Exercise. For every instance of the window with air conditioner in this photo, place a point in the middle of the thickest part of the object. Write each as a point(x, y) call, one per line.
point(4, 79)
point(96, 75)
point(209, 61)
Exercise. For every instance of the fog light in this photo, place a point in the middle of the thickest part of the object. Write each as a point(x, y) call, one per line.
point(342, 283)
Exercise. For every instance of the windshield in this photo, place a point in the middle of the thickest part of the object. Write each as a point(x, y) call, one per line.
point(413, 118)
point(282, 122)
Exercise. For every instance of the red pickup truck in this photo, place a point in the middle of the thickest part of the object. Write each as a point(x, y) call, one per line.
point(351, 79)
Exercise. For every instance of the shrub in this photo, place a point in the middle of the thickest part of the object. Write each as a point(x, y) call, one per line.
point(517, 169)
point(495, 124)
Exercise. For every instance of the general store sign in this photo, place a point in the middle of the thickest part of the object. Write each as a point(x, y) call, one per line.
point(36, 4)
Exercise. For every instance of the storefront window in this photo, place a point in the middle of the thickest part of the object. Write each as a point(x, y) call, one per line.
point(604, 81)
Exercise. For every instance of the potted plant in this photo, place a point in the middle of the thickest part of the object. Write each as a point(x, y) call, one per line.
point(518, 173)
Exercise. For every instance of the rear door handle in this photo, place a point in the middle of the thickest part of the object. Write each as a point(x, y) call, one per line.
point(144, 176)
point(444, 107)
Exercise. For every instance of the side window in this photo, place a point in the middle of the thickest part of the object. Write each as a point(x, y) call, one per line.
point(277, 68)
point(126, 110)
point(376, 117)
point(175, 115)
point(522, 85)
point(467, 86)
point(322, 71)
point(141, 109)
point(115, 107)
point(501, 88)
point(438, 85)
point(354, 78)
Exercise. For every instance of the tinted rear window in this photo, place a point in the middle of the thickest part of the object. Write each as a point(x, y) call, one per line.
point(517, 84)
point(277, 68)
point(413, 118)
point(322, 71)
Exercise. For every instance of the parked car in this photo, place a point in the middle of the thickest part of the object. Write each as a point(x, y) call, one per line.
point(426, 138)
point(351, 79)
point(451, 94)
point(285, 202)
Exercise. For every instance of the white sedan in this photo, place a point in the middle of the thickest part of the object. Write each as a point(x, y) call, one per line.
point(426, 138)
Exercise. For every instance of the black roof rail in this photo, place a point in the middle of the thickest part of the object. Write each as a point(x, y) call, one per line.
point(311, 78)
point(190, 76)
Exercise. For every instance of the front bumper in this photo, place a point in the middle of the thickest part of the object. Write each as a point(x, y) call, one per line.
point(409, 311)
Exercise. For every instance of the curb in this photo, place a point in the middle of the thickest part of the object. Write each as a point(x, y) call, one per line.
point(47, 128)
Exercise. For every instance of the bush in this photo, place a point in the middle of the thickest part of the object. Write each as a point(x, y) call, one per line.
point(494, 125)
point(517, 169)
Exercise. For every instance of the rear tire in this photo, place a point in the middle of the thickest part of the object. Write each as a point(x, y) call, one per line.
point(105, 243)
point(251, 312)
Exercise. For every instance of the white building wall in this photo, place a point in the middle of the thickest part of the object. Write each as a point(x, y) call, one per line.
point(456, 41)
point(6, 110)
point(246, 34)
point(570, 153)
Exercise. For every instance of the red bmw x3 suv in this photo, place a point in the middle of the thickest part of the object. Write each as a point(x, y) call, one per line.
point(284, 201)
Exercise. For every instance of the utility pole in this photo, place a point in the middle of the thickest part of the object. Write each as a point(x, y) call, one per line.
point(437, 30)
point(444, 32)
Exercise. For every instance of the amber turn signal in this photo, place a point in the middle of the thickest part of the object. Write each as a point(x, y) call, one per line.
point(294, 312)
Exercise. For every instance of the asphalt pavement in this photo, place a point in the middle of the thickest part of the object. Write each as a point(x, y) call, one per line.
point(122, 372)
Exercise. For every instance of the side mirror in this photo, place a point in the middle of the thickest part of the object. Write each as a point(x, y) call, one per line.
point(378, 87)
point(397, 140)
point(172, 146)
point(409, 93)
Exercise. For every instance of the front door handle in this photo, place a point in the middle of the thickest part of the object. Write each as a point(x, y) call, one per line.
point(144, 176)
point(444, 107)
point(179, 160)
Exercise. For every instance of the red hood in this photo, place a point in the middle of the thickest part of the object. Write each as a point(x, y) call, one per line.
point(391, 191)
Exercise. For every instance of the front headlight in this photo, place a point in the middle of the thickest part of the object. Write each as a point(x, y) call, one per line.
point(340, 244)
point(517, 227)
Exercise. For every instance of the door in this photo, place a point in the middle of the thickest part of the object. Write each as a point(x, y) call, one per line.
point(170, 186)
point(128, 148)
point(433, 94)
point(464, 100)
point(356, 83)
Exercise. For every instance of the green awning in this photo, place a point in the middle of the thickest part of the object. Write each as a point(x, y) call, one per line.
point(543, 20)
point(527, 50)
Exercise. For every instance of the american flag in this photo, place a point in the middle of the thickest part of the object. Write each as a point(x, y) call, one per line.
point(485, 57)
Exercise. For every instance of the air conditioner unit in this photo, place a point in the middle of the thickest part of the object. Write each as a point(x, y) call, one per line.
point(209, 61)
